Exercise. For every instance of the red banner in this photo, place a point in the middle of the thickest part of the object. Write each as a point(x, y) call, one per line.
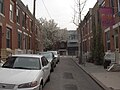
point(106, 17)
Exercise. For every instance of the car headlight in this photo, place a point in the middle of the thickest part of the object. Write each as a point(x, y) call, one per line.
point(28, 85)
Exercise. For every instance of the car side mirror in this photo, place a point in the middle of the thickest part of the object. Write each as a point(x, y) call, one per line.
point(45, 68)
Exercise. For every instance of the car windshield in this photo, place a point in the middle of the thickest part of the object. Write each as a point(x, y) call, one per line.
point(22, 63)
point(48, 55)
point(54, 52)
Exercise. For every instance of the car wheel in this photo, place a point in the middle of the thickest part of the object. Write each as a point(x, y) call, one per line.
point(41, 87)
point(52, 70)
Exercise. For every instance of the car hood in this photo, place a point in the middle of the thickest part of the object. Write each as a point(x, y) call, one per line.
point(17, 76)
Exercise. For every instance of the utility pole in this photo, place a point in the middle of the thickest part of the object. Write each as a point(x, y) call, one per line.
point(33, 44)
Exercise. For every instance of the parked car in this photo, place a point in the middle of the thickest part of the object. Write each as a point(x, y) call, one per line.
point(50, 58)
point(56, 55)
point(24, 72)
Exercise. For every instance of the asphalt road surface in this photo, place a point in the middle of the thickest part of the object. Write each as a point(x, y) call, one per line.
point(69, 76)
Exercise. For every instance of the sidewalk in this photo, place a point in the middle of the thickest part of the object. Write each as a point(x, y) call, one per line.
point(104, 78)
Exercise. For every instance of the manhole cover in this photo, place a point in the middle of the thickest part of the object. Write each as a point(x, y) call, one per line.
point(70, 87)
point(67, 75)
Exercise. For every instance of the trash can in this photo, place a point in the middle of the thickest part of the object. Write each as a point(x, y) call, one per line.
point(107, 63)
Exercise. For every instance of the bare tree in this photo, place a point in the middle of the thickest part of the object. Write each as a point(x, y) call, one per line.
point(80, 6)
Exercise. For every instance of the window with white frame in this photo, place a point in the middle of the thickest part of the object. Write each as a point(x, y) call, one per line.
point(8, 38)
point(11, 10)
point(18, 15)
point(2, 6)
point(23, 20)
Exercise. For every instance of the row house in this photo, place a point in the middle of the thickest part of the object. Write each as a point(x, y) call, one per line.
point(105, 13)
point(112, 32)
point(72, 42)
point(87, 36)
point(17, 34)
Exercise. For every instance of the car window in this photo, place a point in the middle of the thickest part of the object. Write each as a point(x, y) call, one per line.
point(48, 55)
point(22, 63)
point(44, 61)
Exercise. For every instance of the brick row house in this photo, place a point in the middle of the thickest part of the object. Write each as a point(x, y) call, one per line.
point(107, 12)
point(17, 34)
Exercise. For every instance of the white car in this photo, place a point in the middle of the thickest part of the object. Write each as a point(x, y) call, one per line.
point(56, 55)
point(24, 72)
point(50, 57)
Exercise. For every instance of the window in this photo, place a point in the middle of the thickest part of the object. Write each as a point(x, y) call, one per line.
point(29, 63)
point(1, 6)
point(112, 4)
point(19, 40)
point(119, 7)
point(23, 20)
point(116, 38)
point(11, 10)
point(18, 15)
point(8, 38)
point(108, 40)
point(44, 61)
point(29, 40)
point(31, 25)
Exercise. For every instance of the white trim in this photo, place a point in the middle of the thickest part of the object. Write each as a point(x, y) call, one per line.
point(18, 24)
point(11, 21)
point(27, 16)
point(23, 28)
point(25, 33)
point(0, 24)
point(89, 38)
point(7, 25)
point(19, 31)
point(84, 40)
point(11, 2)
point(106, 30)
point(116, 25)
point(29, 35)
point(23, 12)
point(2, 15)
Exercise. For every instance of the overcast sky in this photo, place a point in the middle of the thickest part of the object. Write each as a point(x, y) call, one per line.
point(60, 10)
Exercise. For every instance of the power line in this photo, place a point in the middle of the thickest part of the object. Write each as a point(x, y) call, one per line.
point(46, 9)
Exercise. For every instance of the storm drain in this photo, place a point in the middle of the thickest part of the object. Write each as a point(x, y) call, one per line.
point(67, 75)
point(70, 87)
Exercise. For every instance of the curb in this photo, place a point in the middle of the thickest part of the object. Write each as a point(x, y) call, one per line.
point(95, 79)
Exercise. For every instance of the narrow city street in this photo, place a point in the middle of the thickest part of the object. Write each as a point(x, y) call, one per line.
point(68, 76)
